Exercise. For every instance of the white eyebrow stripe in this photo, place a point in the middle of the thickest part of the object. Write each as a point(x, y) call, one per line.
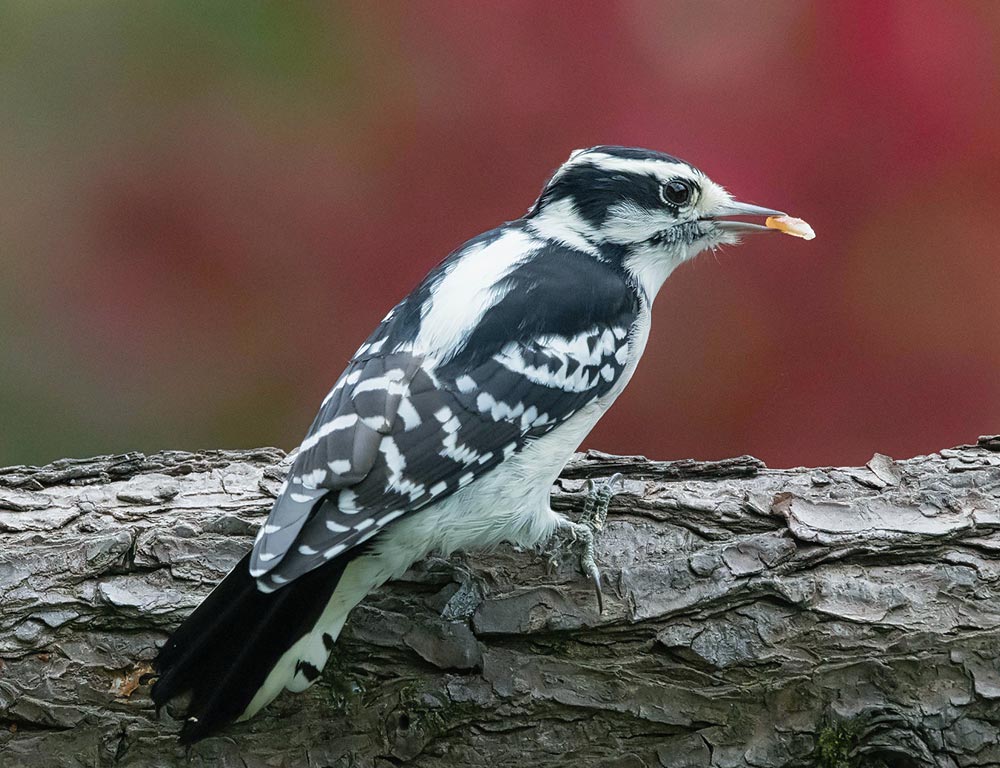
point(664, 169)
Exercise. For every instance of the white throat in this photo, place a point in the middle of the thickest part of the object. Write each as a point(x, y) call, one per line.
point(652, 265)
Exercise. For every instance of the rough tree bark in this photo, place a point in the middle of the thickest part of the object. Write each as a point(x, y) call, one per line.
point(755, 617)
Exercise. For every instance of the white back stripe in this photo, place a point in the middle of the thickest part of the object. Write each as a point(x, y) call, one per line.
point(468, 291)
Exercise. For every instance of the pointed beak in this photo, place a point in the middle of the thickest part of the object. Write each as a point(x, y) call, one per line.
point(721, 215)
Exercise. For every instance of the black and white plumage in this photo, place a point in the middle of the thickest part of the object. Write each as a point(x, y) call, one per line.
point(453, 419)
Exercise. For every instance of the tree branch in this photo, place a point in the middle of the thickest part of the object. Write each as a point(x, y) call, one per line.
point(755, 617)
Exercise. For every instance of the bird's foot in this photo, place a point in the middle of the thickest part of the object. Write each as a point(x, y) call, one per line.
point(595, 507)
point(581, 534)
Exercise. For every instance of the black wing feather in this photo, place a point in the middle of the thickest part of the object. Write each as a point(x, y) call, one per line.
point(557, 341)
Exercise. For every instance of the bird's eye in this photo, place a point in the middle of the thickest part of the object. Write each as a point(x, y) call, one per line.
point(676, 193)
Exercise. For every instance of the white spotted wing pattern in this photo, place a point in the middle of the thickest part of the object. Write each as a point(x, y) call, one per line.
point(401, 430)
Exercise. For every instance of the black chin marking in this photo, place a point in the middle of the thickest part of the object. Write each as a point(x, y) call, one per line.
point(680, 234)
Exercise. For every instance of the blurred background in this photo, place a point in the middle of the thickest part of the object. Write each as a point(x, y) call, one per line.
point(206, 207)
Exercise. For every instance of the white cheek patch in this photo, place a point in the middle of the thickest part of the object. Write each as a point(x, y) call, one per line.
point(627, 222)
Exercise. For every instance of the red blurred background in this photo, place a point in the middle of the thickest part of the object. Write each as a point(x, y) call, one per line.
point(206, 207)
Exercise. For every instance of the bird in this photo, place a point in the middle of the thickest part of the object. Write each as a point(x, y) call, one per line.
point(452, 421)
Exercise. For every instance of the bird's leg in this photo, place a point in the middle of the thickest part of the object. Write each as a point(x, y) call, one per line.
point(581, 534)
point(464, 601)
point(595, 507)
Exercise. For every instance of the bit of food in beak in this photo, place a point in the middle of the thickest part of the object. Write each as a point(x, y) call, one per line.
point(790, 226)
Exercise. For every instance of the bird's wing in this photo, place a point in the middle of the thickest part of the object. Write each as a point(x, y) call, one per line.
point(401, 430)
point(340, 449)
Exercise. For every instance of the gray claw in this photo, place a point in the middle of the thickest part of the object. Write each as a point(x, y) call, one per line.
point(582, 533)
point(595, 506)
point(595, 578)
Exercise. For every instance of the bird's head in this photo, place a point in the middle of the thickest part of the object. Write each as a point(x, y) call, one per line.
point(650, 210)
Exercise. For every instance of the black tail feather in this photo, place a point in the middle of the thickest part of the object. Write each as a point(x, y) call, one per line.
point(224, 651)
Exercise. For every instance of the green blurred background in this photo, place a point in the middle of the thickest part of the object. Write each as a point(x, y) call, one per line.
point(205, 207)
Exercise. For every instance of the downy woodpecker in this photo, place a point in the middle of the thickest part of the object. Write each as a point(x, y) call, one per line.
point(453, 419)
